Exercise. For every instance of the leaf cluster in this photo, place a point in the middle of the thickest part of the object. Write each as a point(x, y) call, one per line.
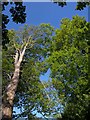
point(18, 15)
point(80, 5)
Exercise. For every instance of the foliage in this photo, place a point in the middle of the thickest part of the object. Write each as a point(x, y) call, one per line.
point(79, 6)
point(67, 57)
point(68, 63)
point(18, 15)
point(28, 96)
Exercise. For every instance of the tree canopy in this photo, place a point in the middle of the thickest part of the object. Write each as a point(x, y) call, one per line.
point(18, 14)
point(65, 51)
point(69, 67)
point(29, 95)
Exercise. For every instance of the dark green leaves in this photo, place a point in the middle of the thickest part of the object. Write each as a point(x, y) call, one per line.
point(79, 6)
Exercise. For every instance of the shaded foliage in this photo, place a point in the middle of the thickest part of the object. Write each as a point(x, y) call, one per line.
point(18, 15)
point(79, 6)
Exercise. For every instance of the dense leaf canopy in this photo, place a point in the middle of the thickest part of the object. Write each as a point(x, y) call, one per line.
point(69, 67)
point(66, 53)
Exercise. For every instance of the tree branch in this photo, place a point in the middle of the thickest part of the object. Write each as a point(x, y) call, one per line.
point(16, 57)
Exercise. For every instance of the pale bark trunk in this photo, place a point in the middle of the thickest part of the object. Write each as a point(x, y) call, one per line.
point(7, 102)
point(10, 94)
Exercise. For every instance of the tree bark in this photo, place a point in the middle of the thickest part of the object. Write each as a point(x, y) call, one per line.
point(10, 94)
point(8, 98)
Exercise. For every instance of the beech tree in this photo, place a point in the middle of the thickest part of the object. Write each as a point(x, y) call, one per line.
point(28, 45)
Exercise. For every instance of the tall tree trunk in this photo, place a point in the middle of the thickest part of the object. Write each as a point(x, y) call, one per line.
point(7, 101)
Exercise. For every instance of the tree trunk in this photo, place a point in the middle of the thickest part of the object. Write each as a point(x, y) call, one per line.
point(8, 98)
point(7, 103)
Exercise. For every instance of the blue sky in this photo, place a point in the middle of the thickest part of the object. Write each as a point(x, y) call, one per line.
point(47, 12)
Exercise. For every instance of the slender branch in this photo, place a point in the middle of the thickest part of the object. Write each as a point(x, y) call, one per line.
point(22, 53)
point(9, 76)
point(43, 116)
point(15, 46)
point(46, 91)
point(24, 49)
point(16, 57)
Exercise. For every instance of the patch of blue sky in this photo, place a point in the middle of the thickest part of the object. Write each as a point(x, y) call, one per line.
point(46, 12)
point(46, 76)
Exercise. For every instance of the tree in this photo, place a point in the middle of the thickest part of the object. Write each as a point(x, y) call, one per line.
point(69, 67)
point(37, 40)
point(12, 87)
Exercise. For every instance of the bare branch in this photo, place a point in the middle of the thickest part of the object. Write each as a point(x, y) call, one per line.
point(9, 76)
point(22, 53)
point(46, 91)
point(16, 57)
point(24, 49)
